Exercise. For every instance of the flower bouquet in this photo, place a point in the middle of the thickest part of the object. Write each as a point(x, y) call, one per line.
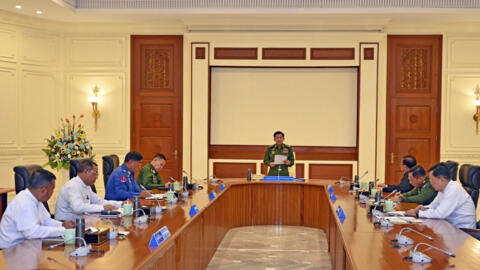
point(69, 142)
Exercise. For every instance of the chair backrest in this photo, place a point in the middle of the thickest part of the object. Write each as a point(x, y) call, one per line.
point(452, 168)
point(22, 177)
point(75, 168)
point(469, 176)
point(474, 183)
point(463, 174)
point(110, 163)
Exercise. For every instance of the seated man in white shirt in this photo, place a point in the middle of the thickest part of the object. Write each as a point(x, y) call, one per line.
point(76, 197)
point(452, 202)
point(27, 218)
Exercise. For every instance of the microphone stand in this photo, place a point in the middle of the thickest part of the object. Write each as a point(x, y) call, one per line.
point(419, 257)
point(405, 240)
point(158, 208)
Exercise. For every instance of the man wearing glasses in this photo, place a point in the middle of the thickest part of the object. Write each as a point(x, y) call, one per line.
point(76, 197)
point(121, 184)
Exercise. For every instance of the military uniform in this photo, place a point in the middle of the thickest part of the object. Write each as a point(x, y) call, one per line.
point(423, 194)
point(281, 169)
point(121, 184)
point(149, 177)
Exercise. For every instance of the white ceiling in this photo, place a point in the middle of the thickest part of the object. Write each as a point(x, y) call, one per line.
point(56, 10)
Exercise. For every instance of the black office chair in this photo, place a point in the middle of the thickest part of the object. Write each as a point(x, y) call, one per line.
point(452, 168)
point(23, 175)
point(110, 163)
point(75, 168)
point(469, 176)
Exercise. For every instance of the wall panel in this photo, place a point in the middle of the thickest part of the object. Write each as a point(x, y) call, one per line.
point(8, 45)
point(40, 49)
point(95, 52)
point(9, 107)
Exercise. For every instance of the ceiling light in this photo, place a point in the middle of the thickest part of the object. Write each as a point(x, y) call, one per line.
point(18, 7)
point(39, 12)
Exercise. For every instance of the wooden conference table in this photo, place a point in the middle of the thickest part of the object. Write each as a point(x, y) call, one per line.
point(354, 243)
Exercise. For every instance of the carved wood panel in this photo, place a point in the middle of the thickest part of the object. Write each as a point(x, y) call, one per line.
point(330, 171)
point(413, 72)
point(157, 67)
point(232, 170)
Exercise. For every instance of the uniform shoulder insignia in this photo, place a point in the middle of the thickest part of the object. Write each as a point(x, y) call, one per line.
point(123, 179)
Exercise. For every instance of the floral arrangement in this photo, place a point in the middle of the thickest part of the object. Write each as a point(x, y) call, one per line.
point(69, 142)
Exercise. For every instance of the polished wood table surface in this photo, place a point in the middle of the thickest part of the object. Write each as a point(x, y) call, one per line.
point(3, 199)
point(355, 243)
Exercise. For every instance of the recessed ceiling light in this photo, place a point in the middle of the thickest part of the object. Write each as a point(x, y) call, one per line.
point(39, 12)
point(18, 7)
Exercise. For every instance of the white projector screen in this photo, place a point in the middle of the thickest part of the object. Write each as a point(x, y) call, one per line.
point(312, 106)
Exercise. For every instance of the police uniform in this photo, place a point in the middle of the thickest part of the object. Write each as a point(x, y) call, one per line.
point(149, 177)
point(423, 194)
point(121, 184)
point(281, 169)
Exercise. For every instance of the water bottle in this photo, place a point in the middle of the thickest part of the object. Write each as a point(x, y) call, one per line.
point(185, 183)
point(136, 205)
point(249, 174)
point(79, 230)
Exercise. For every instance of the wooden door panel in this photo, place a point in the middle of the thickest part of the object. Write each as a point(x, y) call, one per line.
point(157, 100)
point(413, 102)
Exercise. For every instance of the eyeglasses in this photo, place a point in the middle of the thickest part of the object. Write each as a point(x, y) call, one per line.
point(93, 172)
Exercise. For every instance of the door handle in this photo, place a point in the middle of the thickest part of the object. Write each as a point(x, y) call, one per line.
point(175, 154)
point(392, 158)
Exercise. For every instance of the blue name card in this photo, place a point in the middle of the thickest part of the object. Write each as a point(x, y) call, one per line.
point(193, 210)
point(330, 189)
point(159, 237)
point(212, 195)
point(340, 213)
point(222, 187)
point(333, 198)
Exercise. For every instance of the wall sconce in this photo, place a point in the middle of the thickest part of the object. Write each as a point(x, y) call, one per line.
point(94, 101)
point(476, 116)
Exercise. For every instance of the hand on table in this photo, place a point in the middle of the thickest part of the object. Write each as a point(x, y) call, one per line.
point(272, 164)
point(109, 207)
point(144, 194)
point(69, 224)
point(414, 212)
point(287, 162)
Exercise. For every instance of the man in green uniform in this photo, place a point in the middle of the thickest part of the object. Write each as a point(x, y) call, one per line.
point(422, 193)
point(281, 149)
point(148, 176)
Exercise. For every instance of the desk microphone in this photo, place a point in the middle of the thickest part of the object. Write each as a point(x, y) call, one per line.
point(81, 251)
point(365, 173)
point(158, 208)
point(405, 240)
point(114, 232)
point(419, 257)
point(390, 194)
point(140, 219)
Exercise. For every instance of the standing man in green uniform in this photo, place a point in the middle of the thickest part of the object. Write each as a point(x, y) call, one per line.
point(422, 193)
point(279, 148)
point(148, 176)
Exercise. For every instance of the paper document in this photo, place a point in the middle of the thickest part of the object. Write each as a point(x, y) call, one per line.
point(156, 197)
point(279, 159)
point(396, 213)
point(403, 220)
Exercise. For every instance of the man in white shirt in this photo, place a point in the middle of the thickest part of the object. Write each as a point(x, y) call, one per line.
point(452, 202)
point(27, 218)
point(76, 197)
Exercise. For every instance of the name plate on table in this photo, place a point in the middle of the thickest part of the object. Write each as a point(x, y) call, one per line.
point(212, 195)
point(193, 210)
point(222, 187)
point(341, 214)
point(278, 178)
point(333, 198)
point(159, 237)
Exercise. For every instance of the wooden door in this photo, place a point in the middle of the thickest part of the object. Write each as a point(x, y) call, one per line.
point(156, 100)
point(414, 65)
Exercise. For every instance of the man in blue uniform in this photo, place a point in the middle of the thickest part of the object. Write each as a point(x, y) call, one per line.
point(121, 183)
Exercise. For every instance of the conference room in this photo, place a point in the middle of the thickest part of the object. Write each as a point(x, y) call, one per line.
point(352, 86)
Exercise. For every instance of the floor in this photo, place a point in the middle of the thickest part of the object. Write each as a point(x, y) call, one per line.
point(272, 248)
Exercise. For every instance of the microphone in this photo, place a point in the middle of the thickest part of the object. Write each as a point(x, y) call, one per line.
point(158, 208)
point(81, 251)
point(365, 173)
point(114, 232)
point(141, 219)
point(390, 194)
point(405, 240)
point(419, 257)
